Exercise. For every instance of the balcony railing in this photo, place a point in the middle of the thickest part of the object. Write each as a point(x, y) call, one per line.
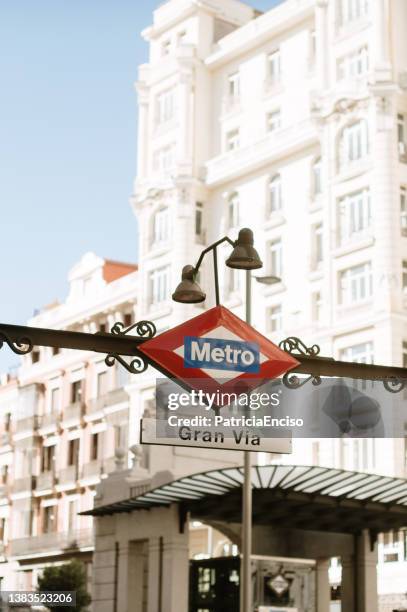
point(27, 424)
point(23, 484)
point(93, 468)
point(110, 399)
point(73, 412)
point(5, 437)
point(271, 146)
point(4, 489)
point(68, 474)
point(55, 541)
point(45, 480)
point(48, 420)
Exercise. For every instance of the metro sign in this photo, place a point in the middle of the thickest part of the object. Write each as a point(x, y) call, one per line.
point(217, 351)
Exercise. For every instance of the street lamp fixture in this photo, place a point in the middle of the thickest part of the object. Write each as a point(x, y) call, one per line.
point(188, 291)
point(244, 256)
point(268, 280)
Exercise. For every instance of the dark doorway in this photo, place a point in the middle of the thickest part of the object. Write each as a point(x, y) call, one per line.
point(214, 585)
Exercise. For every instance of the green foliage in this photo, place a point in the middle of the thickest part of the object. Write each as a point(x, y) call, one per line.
point(67, 577)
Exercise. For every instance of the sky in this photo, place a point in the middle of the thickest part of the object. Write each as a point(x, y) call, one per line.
point(68, 124)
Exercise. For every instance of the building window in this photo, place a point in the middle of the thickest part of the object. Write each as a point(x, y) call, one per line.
point(276, 258)
point(275, 200)
point(128, 319)
point(274, 121)
point(404, 275)
point(401, 136)
point(166, 47)
point(404, 354)
point(355, 215)
point(317, 177)
point(49, 519)
point(101, 384)
point(164, 159)
point(275, 318)
point(312, 53)
point(161, 226)
point(165, 109)
point(274, 67)
point(353, 10)
point(73, 452)
point(55, 399)
point(354, 65)
point(72, 514)
point(233, 92)
point(47, 458)
point(317, 244)
point(159, 285)
point(76, 391)
point(316, 306)
point(403, 210)
point(232, 140)
point(233, 211)
point(95, 446)
point(358, 353)
point(356, 284)
point(198, 219)
point(354, 143)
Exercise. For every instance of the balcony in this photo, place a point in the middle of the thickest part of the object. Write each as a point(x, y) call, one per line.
point(72, 414)
point(29, 424)
point(117, 396)
point(271, 147)
point(68, 475)
point(49, 422)
point(23, 484)
point(45, 481)
point(92, 469)
point(4, 490)
point(5, 438)
point(54, 541)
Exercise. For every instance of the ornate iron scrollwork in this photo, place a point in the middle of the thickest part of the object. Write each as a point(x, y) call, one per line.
point(394, 385)
point(296, 346)
point(143, 328)
point(292, 381)
point(138, 364)
point(21, 346)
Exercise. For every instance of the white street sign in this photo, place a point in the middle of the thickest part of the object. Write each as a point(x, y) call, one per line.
point(200, 438)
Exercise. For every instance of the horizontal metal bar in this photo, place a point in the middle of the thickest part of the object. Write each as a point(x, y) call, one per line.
point(99, 343)
point(325, 366)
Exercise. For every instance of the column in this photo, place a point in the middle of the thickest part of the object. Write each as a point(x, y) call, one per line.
point(348, 583)
point(323, 594)
point(104, 566)
point(155, 566)
point(175, 574)
point(380, 40)
point(366, 574)
point(322, 47)
point(142, 141)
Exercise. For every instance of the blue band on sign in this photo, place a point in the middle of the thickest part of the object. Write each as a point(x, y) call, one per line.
point(217, 354)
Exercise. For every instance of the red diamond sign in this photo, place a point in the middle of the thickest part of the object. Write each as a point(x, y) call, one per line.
point(217, 351)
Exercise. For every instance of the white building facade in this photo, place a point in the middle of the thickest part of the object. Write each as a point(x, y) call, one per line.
point(293, 123)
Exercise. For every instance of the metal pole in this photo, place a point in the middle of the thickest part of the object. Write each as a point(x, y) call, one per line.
point(246, 571)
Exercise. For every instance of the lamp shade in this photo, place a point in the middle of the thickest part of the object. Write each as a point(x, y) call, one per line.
point(188, 291)
point(244, 256)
